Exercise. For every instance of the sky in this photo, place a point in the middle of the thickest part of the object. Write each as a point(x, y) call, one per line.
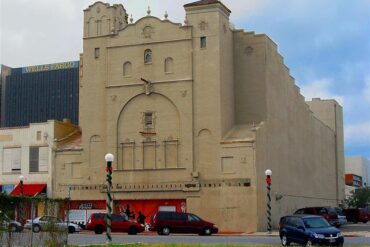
point(325, 44)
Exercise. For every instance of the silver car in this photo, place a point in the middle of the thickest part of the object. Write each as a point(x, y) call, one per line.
point(45, 223)
point(341, 217)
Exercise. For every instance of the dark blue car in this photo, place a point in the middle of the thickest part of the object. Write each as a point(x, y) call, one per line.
point(308, 230)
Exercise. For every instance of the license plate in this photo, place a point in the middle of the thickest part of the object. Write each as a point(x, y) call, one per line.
point(331, 240)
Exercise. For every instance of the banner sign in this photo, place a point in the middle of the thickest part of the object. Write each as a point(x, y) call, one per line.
point(54, 66)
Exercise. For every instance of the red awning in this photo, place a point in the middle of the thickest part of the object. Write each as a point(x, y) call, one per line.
point(29, 189)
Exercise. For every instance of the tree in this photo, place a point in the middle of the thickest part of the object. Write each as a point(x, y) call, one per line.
point(359, 198)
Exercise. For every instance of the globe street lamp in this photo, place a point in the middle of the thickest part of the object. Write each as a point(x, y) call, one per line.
point(268, 173)
point(109, 159)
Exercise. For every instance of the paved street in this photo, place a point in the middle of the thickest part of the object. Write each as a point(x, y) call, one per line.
point(355, 234)
point(124, 238)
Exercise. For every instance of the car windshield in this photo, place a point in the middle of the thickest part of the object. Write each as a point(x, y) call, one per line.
point(316, 222)
point(332, 211)
point(339, 211)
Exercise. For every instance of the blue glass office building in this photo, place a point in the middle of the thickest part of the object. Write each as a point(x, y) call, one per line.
point(38, 93)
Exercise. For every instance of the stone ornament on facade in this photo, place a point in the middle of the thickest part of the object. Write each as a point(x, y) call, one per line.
point(183, 93)
point(147, 31)
point(249, 50)
point(113, 97)
point(98, 9)
point(148, 11)
point(203, 25)
point(147, 86)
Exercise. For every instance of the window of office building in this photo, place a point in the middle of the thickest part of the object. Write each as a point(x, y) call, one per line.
point(39, 159)
point(12, 160)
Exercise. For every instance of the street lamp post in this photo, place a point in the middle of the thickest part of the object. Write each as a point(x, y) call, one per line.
point(21, 178)
point(268, 173)
point(109, 159)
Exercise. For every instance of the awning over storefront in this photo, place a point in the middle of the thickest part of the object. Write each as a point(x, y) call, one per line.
point(29, 189)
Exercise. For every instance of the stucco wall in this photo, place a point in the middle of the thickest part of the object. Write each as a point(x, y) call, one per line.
point(331, 114)
point(298, 148)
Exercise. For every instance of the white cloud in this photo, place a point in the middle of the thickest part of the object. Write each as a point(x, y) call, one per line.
point(357, 134)
point(320, 89)
point(46, 31)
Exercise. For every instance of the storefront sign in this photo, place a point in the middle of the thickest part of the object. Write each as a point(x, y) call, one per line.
point(47, 67)
point(88, 205)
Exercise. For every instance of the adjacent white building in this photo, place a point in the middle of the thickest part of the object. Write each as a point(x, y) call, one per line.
point(356, 167)
point(28, 151)
point(359, 166)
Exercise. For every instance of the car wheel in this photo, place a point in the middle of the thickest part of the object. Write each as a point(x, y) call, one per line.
point(12, 228)
point(98, 229)
point(36, 228)
point(308, 243)
point(365, 221)
point(284, 240)
point(207, 231)
point(166, 230)
point(71, 229)
point(132, 231)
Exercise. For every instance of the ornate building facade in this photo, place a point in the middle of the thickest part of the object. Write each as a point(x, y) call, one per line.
point(194, 114)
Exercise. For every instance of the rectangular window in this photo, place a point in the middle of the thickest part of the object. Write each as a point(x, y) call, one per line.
point(148, 119)
point(39, 159)
point(97, 52)
point(203, 42)
point(12, 160)
point(34, 159)
point(38, 136)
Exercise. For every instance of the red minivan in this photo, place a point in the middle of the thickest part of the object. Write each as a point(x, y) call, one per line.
point(329, 213)
point(356, 215)
point(175, 222)
point(97, 223)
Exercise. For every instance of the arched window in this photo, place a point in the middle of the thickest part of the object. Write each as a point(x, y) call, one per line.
point(168, 65)
point(148, 56)
point(127, 69)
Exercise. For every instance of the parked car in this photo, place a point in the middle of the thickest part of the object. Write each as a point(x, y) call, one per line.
point(9, 224)
point(97, 223)
point(308, 230)
point(46, 222)
point(165, 223)
point(341, 217)
point(356, 215)
point(328, 213)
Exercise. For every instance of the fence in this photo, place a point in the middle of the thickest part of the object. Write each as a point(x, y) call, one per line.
point(20, 214)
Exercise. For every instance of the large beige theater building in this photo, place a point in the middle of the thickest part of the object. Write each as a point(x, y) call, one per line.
point(194, 114)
